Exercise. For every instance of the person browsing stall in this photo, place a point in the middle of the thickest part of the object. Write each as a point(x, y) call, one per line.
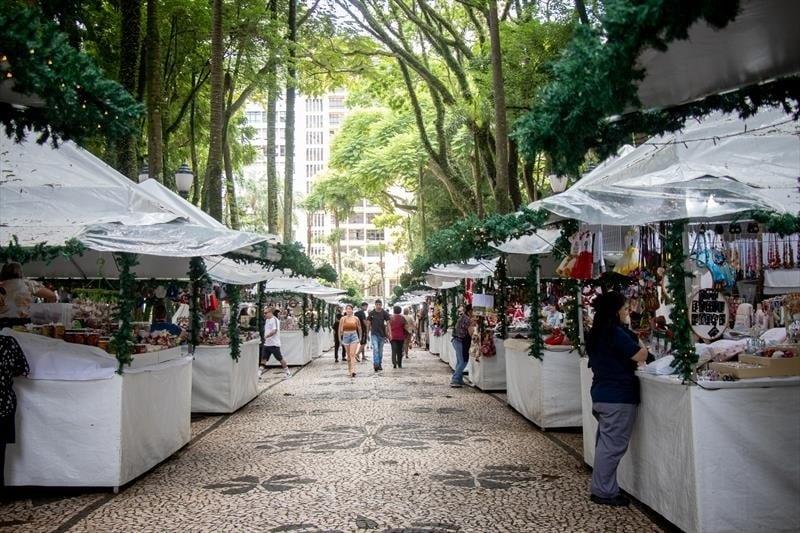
point(17, 294)
point(397, 336)
point(362, 316)
point(614, 354)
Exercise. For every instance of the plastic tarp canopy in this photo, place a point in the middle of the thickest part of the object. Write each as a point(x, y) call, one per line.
point(720, 166)
point(540, 242)
point(435, 282)
point(301, 286)
point(227, 270)
point(761, 43)
point(55, 194)
point(474, 268)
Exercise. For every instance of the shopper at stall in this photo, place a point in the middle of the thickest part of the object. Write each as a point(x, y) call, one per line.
point(160, 322)
point(362, 316)
point(397, 336)
point(462, 339)
point(17, 294)
point(377, 320)
point(272, 342)
point(350, 334)
point(614, 353)
point(12, 364)
point(410, 330)
point(336, 319)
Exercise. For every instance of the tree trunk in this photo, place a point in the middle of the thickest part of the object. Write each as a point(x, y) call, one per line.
point(212, 190)
point(421, 203)
point(580, 7)
point(527, 178)
point(338, 245)
point(513, 177)
point(272, 171)
point(501, 127)
point(291, 84)
point(130, 37)
point(230, 187)
point(193, 153)
point(155, 154)
point(475, 161)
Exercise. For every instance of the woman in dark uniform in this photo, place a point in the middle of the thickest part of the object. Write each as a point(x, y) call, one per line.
point(12, 364)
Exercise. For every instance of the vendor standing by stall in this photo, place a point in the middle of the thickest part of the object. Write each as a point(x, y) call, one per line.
point(614, 354)
point(17, 294)
point(12, 364)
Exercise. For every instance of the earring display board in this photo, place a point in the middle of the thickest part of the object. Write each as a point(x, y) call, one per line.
point(708, 314)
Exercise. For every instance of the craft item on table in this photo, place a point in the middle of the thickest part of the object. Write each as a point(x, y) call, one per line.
point(582, 269)
point(160, 292)
point(629, 262)
point(556, 338)
point(774, 336)
point(761, 320)
point(708, 314)
point(744, 317)
point(660, 367)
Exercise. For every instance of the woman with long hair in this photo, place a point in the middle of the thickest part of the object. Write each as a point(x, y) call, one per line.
point(350, 337)
point(614, 354)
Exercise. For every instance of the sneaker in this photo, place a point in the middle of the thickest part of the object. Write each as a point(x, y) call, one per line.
point(353, 375)
point(455, 385)
point(620, 500)
point(261, 370)
point(287, 374)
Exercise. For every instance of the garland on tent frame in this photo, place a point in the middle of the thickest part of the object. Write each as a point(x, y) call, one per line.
point(597, 77)
point(260, 309)
point(305, 316)
point(783, 224)
point(197, 275)
point(14, 252)
point(682, 345)
point(445, 316)
point(233, 323)
point(318, 319)
point(537, 344)
point(123, 338)
point(77, 100)
point(572, 313)
point(501, 275)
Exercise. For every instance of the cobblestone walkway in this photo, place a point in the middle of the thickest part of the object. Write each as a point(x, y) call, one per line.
point(396, 452)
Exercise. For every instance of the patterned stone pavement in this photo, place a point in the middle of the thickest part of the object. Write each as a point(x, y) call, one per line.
point(395, 452)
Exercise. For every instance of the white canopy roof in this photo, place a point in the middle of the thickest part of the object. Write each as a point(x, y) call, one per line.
point(474, 268)
point(301, 286)
point(435, 282)
point(720, 166)
point(52, 195)
point(760, 44)
point(540, 242)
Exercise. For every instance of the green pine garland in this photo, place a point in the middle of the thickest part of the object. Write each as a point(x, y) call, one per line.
point(234, 298)
point(14, 252)
point(260, 302)
point(454, 307)
point(78, 101)
point(123, 338)
point(501, 277)
point(197, 276)
point(305, 316)
point(445, 316)
point(682, 344)
point(572, 314)
point(318, 319)
point(537, 344)
point(782, 224)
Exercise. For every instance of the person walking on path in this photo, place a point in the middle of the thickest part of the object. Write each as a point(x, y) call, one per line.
point(410, 331)
point(377, 320)
point(350, 334)
point(462, 338)
point(614, 354)
point(12, 364)
point(272, 343)
point(397, 336)
point(362, 316)
point(337, 318)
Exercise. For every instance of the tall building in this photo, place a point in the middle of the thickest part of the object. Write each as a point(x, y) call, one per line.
point(317, 119)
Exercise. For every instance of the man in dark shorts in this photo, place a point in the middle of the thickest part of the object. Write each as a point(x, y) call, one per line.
point(272, 343)
point(362, 316)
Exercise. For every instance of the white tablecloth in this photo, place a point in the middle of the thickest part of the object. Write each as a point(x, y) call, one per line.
point(435, 344)
point(293, 349)
point(220, 384)
point(99, 433)
point(489, 373)
point(446, 348)
point(712, 461)
point(546, 392)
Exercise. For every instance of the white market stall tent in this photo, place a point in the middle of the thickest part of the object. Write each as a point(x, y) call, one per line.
point(686, 437)
point(118, 426)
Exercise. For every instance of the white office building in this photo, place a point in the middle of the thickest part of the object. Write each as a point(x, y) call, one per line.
point(317, 120)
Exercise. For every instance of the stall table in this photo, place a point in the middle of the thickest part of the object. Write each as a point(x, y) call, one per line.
point(435, 345)
point(293, 349)
point(80, 424)
point(489, 373)
point(547, 391)
point(446, 347)
point(712, 461)
point(220, 384)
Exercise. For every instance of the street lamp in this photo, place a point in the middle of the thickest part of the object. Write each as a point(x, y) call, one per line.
point(144, 173)
point(558, 183)
point(183, 180)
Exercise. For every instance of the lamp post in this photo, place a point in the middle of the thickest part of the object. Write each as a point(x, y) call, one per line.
point(557, 183)
point(183, 180)
point(144, 173)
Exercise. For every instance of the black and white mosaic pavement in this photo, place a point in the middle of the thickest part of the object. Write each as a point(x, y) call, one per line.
point(397, 452)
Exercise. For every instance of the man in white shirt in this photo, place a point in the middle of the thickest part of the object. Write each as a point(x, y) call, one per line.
point(272, 342)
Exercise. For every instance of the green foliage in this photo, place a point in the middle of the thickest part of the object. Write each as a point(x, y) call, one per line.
point(197, 277)
point(40, 252)
point(123, 338)
point(597, 76)
point(783, 224)
point(295, 259)
point(501, 281)
point(78, 102)
point(682, 343)
point(304, 318)
point(326, 272)
point(537, 344)
point(572, 313)
point(234, 298)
